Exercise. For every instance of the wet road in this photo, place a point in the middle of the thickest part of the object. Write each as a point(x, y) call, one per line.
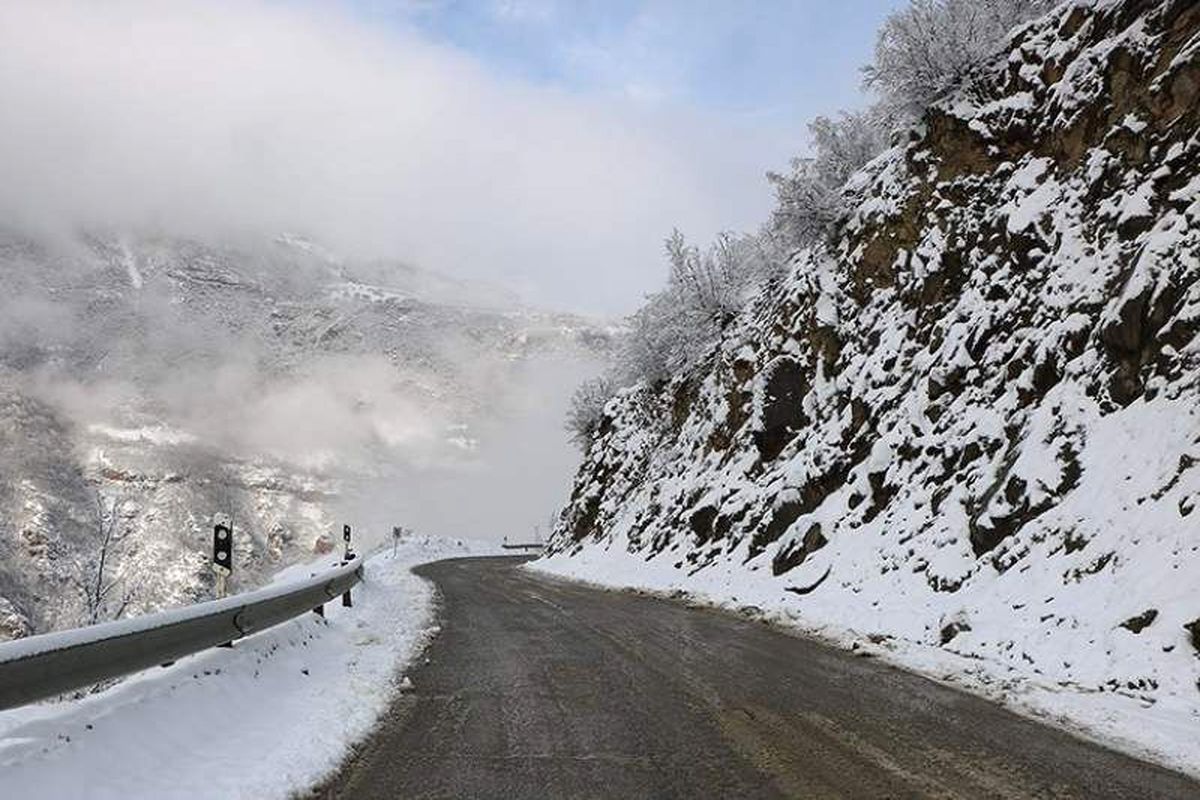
point(544, 689)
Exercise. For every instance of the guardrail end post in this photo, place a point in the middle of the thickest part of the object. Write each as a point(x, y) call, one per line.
point(346, 601)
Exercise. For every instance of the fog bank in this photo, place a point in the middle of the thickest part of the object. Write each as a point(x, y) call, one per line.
point(212, 118)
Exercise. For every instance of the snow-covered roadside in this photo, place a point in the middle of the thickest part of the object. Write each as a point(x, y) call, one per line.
point(269, 717)
point(1166, 731)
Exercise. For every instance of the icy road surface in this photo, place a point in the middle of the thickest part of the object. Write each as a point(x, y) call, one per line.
point(539, 688)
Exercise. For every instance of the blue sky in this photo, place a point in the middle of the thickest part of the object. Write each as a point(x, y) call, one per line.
point(772, 62)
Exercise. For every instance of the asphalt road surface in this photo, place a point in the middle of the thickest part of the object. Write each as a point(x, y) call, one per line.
point(545, 689)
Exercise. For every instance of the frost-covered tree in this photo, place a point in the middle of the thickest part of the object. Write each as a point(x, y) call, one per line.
point(922, 52)
point(705, 289)
point(106, 592)
point(713, 284)
point(587, 408)
point(931, 46)
point(810, 196)
point(647, 347)
point(707, 282)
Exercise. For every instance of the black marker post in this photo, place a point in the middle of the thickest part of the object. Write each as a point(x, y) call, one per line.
point(222, 560)
point(347, 554)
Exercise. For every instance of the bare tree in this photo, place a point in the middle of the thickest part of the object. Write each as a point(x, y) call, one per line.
point(106, 590)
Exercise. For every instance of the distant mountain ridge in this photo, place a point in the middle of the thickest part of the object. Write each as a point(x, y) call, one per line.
point(180, 378)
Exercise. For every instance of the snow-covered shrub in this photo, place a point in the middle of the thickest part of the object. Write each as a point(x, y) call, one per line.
point(921, 52)
point(705, 281)
point(931, 46)
point(587, 408)
point(809, 198)
point(714, 283)
point(666, 335)
point(647, 347)
point(705, 289)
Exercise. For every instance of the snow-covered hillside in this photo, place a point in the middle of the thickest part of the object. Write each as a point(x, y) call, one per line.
point(969, 423)
point(151, 382)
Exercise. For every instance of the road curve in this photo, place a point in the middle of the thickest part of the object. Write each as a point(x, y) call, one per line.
point(545, 689)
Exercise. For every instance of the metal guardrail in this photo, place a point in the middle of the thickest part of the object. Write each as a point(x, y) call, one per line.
point(42, 666)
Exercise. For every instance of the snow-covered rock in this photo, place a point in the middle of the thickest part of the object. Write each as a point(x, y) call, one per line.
point(969, 425)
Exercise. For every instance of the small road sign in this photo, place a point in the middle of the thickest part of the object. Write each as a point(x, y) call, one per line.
point(222, 560)
point(223, 547)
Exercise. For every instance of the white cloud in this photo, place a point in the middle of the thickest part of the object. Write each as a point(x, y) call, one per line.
point(217, 117)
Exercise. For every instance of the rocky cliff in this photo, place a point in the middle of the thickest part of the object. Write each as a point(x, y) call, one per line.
point(971, 419)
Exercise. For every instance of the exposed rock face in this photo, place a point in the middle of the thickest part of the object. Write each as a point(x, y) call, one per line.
point(1141, 621)
point(982, 398)
point(1193, 629)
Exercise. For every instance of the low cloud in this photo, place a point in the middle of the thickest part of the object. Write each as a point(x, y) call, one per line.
point(217, 118)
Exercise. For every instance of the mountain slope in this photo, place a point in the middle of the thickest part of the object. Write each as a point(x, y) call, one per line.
point(164, 380)
point(968, 423)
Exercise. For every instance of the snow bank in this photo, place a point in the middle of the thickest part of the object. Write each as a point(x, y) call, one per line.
point(272, 716)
